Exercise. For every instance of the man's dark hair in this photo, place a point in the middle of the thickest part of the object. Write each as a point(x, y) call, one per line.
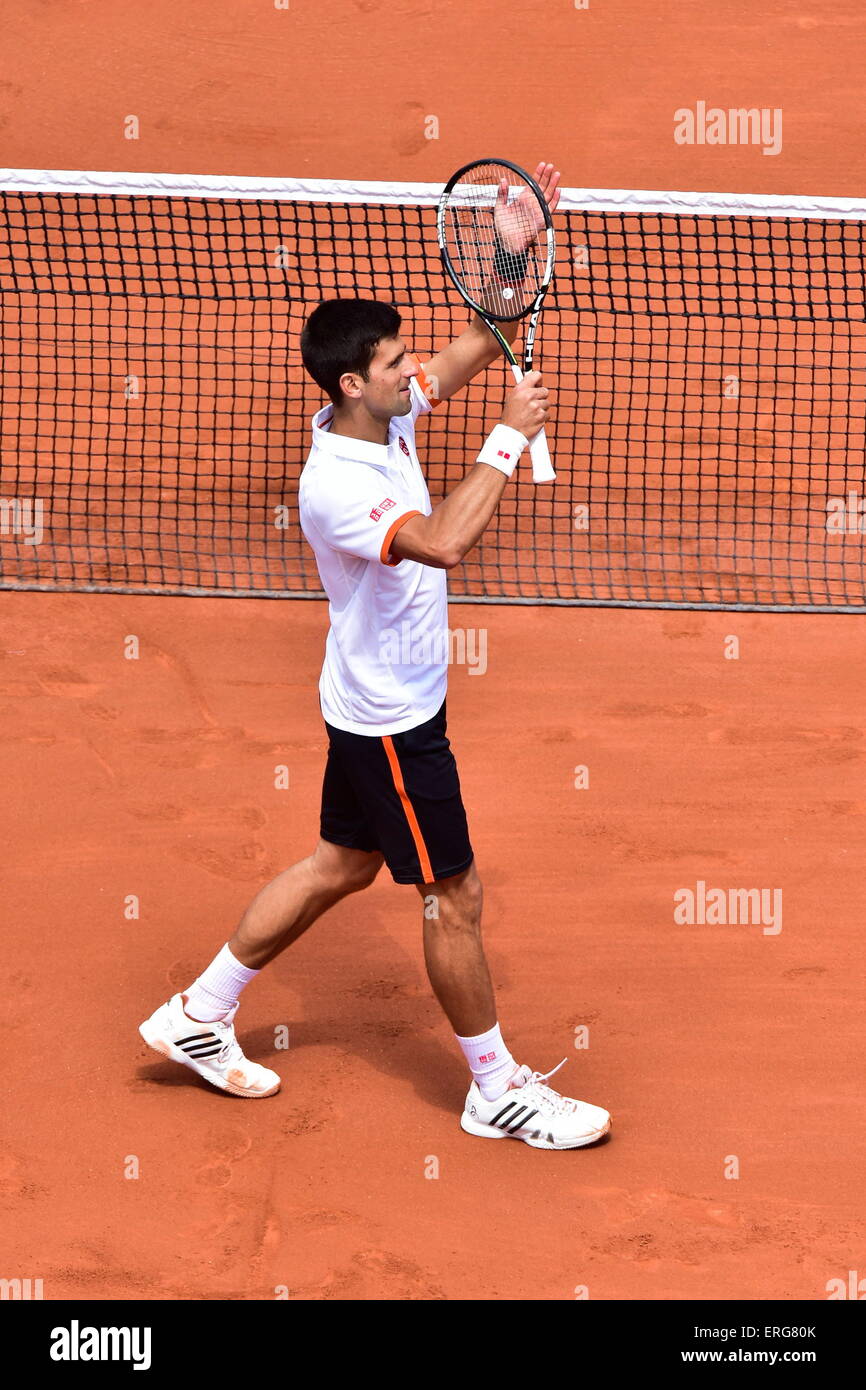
point(342, 336)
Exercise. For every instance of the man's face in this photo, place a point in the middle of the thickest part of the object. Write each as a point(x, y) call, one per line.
point(385, 393)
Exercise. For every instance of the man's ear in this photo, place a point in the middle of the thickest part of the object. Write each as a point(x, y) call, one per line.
point(350, 385)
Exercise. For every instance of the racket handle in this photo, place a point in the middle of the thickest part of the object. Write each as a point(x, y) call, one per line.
point(542, 467)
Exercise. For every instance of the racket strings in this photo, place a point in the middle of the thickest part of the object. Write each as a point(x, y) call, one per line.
point(486, 251)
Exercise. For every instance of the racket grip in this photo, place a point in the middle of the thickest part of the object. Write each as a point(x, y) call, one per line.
point(542, 465)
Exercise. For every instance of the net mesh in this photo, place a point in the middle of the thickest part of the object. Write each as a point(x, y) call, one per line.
point(709, 379)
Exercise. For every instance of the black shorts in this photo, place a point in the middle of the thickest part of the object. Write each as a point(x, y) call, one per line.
point(399, 794)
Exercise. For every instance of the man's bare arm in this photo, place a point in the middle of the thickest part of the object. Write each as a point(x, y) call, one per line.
point(451, 530)
point(455, 526)
point(456, 365)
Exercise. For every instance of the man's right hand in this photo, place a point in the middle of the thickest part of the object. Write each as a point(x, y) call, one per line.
point(526, 407)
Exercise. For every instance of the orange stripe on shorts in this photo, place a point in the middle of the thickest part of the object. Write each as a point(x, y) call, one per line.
point(397, 774)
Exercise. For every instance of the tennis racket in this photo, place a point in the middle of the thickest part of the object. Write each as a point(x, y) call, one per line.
point(496, 237)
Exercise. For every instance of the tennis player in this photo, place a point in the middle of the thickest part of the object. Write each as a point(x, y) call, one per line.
point(391, 792)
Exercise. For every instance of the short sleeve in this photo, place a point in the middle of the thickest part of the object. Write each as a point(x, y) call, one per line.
point(424, 398)
point(356, 510)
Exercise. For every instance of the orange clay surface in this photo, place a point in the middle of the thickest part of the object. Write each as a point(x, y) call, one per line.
point(342, 89)
point(155, 777)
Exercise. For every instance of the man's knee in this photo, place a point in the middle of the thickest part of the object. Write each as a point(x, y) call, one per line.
point(455, 902)
point(345, 870)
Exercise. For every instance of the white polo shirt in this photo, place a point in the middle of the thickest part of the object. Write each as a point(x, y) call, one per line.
point(386, 657)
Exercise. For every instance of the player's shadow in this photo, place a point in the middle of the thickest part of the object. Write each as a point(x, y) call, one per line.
point(169, 1074)
point(370, 995)
point(438, 1076)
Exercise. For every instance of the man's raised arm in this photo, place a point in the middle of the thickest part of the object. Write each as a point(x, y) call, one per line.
point(451, 530)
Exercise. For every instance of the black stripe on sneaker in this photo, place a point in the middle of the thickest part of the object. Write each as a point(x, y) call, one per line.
point(193, 1048)
point(510, 1106)
point(515, 1116)
point(207, 1052)
point(194, 1037)
point(525, 1121)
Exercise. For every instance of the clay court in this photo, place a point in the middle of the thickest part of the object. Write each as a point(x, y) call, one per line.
point(720, 747)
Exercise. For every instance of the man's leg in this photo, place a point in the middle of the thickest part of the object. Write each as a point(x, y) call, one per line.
point(453, 951)
point(458, 972)
point(505, 1099)
point(277, 916)
point(292, 902)
point(195, 1027)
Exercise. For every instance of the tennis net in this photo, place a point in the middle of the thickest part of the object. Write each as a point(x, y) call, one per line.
point(707, 357)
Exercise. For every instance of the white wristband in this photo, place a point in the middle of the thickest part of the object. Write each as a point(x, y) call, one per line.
point(502, 448)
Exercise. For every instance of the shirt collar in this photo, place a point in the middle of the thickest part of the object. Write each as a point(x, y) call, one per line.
point(345, 447)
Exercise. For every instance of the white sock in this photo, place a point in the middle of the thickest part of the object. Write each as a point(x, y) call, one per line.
point(217, 989)
point(489, 1061)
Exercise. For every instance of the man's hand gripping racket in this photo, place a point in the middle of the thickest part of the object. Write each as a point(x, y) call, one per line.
point(525, 411)
point(496, 237)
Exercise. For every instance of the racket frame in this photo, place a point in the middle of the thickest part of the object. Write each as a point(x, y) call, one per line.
point(541, 463)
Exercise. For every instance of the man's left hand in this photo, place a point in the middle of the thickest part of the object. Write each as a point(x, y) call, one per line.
point(518, 223)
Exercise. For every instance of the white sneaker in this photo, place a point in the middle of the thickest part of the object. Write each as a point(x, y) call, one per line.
point(211, 1049)
point(535, 1113)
